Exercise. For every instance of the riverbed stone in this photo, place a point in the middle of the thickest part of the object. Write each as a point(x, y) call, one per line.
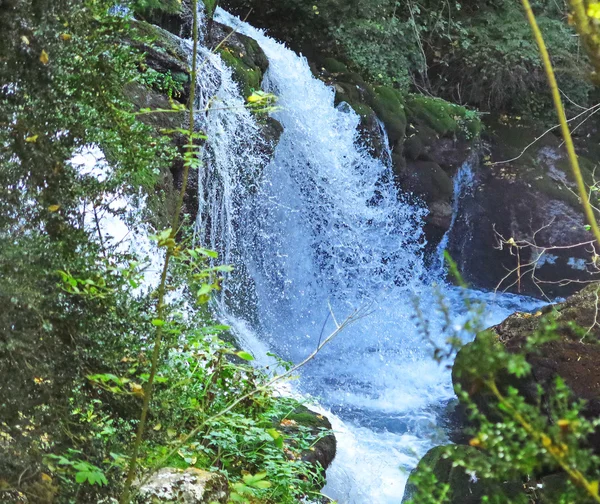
point(189, 486)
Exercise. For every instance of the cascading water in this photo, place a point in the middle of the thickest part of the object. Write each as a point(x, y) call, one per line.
point(318, 232)
point(463, 186)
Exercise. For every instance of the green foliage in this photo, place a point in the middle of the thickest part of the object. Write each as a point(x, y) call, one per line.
point(474, 53)
point(75, 323)
point(84, 471)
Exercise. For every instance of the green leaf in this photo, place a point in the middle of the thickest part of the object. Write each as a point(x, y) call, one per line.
point(81, 476)
point(208, 253)
point(245, 355)
point(277, 437)
point(158, 322)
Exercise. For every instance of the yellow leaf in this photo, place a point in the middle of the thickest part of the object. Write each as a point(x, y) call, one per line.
point(46, 478)
point(44, 57)
point(25, 40)
point(38, 380)
point(157, 427)
point(137, 389)
point(475, 442)
point(53, 208)
point(32, 139)
point(65, 36)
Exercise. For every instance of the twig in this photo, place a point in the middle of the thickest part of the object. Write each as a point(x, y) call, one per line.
point(574, 162)
point(592, 109)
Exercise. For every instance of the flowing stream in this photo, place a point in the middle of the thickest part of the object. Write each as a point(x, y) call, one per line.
point(316, 233)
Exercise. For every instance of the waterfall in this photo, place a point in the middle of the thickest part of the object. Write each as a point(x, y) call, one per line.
point(463, 186)
point(315, 233)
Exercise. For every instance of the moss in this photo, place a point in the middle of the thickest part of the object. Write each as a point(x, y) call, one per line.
point(362, 109)
point(388, 104)
point(444, 117)
point(334, 66)
point(302, 416)
point(248, 78)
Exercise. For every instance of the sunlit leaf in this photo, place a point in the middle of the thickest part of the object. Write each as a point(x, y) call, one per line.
point(245, 355)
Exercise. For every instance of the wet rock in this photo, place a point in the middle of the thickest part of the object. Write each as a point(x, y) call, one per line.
point(192, 486)
point(427, 180)
point(440, 214)
point(527, 199)
point(242, 54)
point(164, 53)
point(146, 98)
point(175, 16)
point(324, 450)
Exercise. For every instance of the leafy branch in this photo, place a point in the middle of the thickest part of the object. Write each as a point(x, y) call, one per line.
point(189, 160)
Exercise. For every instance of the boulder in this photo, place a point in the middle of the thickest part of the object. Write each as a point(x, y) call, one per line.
point(164, 53)
point(528, 199)
point(574, 355)
point(190, 486)
point(464, 488)
point(324, 450)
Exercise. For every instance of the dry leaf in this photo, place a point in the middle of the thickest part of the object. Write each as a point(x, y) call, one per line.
point(44, 57)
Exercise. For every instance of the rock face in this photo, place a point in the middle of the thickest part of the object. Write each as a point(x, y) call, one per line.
point(192, 486)
point(530, 201)
point(464, 488)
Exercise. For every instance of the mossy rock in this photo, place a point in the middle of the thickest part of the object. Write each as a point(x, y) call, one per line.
point(573, 356)
point(162, 40)
point(324, 450)
point(334, 66)
point(388, 104)
point(247, 77)
point(444, 117)
point(173, 15)
point(362, 109)
point(243, 55)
